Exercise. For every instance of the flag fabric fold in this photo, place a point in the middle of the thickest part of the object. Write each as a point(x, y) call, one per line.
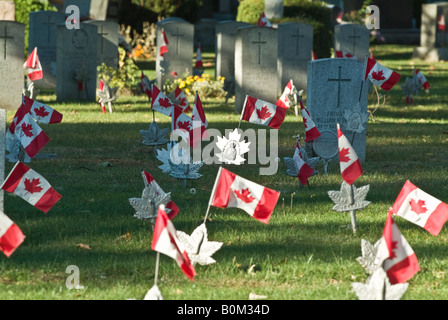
point(304, 169)
point(32, 66)
point(233, 191)
point(381, 76)
point(160, 102)
point(31, 186)
point(164, 43)
point(11, 237)
point(198, 62)
point(420, 208)
point(198, 122)
point(100, 89)
point(148, 179)
point(348, 159)
point(284, 101)
point(146, 85)
point(311, 131)
point(422, 79)
point(343, 54)
point(181, 97)
point(263, 113)
point(165, 241)
point(263, 21)
point(31, 135)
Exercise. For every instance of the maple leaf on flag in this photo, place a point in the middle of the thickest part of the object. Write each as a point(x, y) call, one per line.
point(263, 113)
point(304, 122)
point(27, 129)
point(41, 112)
point(165, 102)
point(244, 195)
point(378, 75)
point(343, 155)
point(418, 206)
point(393, 249)
point(184, 125)
point(32, 186)
point(182, 102)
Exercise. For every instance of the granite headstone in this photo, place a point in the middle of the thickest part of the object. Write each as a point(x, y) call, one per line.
point(107, 51)
point(352, 38)
point(90, 9)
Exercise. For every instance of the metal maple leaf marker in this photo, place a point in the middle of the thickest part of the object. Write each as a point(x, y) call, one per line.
point(186, 171)
point(369, 253)
point(147, 206)
point(154, 136)
point(350, 198)
point(378, 287)
point(410, 87)
point(107, 95)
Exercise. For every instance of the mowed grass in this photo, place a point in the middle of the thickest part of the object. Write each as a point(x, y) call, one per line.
point(307, 251)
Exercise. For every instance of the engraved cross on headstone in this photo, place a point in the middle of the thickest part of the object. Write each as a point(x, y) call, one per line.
point(101, 34)
point(177, 35)
point(49, 23)
point(297, 36)
point(259, 42)
point(354, 37)
point(339, 80)
point(5, 37)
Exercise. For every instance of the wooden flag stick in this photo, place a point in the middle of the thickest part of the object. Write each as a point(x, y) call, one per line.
point(213, 193)
point(157, 268)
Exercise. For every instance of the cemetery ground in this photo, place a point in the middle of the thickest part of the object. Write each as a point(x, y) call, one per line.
point(306, 252)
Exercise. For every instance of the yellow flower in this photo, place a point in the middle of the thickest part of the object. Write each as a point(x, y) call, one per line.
point(182, 84)
point(187, 91)
point(196, 78)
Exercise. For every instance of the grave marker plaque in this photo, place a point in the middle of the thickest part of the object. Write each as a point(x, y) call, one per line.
point(352, 38)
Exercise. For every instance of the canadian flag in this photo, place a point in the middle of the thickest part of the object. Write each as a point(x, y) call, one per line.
point(263, 21)
point(305, 171)
point(146, 85)
point(30, 135)
point(180, 120)
point(100, 89)
point(160, 102)
point(395, 254)
point(441, 23)
point(149, 181)
point(233, 191)
point(11, 237)
point(348, 159)
point(381, 76)
point(417, 206)
point(198, 122)
point(180, 96)
point(163, 43)
point(263, 113)
point(41, 112)
point(198, 63)
point(284, 101)
point(33, 67)
point(314, 55)
point(165, 241)
point(31, 186)
point(344, 54)
point(422, 79)
point(311, 131)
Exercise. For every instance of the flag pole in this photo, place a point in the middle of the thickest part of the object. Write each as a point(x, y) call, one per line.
point(218, 175)
point(157, 268)
point(242, 111)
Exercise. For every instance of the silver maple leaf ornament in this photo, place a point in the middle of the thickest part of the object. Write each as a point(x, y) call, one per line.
point(153, 294)
point(187, 171)
point(147, 206)
point(154, 136)
point(368, 258)
point(198, 248)
point(378, 287)
point(107, 95)
point(232, 148)
point(410, 87)
point(356, 120)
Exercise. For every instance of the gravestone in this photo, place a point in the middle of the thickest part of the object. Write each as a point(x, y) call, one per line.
point(295, 45)
point(107, 51)
point(352, 38)
point(433, 37)
point(42, 34)
point(204, 33)
point(225, 47)
point(76, 57)
point(337, 93)
point(90, 9)
point(7, 10)
point(179, 58)
point(273, 9)
point(12, 57)
point(256, 51)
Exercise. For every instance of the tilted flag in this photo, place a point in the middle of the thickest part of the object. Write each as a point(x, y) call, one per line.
point(165, 241)
point(41, 112)
point(101, 88)
point(198, 63)
point(31, 186)
point(395, 255)
point(417, 206)
point(30, 135)
point(263, 113)
point(381, 76)
point(263, 21)
point(311, 131)
point(163, 43)
point(233, 191)
point(149, 181)
point(304, 169)
point(33, 67)
point(180, 120)
point(160, 102)
point(344, 54)
point(284, 101)
point(198, 120)
point(146, 85)
point(11, 237)
point(180, 99)
point(348, 159)
point(422, 80)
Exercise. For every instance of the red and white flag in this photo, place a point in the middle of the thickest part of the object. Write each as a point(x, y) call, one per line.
point(181, 96)
point(305, 170)
point(41, 112)
point(263, 113)
point(314, 55)
point(381, 76)
point(33, 67)
point(311, 131)
point(163, 43)
point(165, 241)
point(263, 21)
point(348, 159)
point(284, 101)
point(343, 54)
point(419, 207)
point(30, 135)
point(160, 102)
point(149, 181)
point(146, 85)
point(180, 120)
point(422, 79)
point(198, 63)
point(100, 89)
point(233, 191)
point(441, 23)
point(11, 237)
point(31, 186)
point(395, 254)
point(198, 122)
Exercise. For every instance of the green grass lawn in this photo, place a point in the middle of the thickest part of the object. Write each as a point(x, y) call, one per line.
point(307, 251)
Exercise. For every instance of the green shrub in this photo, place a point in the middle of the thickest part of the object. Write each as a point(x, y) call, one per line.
point(249, 11)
